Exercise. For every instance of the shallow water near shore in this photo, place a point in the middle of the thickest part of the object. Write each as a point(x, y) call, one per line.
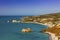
point(12, 31)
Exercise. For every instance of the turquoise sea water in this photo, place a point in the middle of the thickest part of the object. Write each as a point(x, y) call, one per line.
point(11, 31)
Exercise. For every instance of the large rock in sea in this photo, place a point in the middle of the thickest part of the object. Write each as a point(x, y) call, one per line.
point(26, 30)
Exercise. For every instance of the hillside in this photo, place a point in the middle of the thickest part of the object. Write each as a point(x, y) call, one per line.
point(47, 19)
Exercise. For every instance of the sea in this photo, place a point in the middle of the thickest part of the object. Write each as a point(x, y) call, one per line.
point(12, 31)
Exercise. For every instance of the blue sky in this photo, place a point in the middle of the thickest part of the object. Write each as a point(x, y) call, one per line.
point(29, 7)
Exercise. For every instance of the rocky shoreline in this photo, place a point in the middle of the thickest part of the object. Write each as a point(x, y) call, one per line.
point(49, 19)
point(52, 21)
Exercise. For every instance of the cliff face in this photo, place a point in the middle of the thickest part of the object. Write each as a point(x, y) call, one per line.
point(47, 19)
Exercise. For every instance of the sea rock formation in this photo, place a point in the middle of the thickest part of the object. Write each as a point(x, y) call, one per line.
point(26, 30)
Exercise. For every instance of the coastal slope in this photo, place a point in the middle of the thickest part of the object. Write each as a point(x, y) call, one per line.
point(47, 19)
